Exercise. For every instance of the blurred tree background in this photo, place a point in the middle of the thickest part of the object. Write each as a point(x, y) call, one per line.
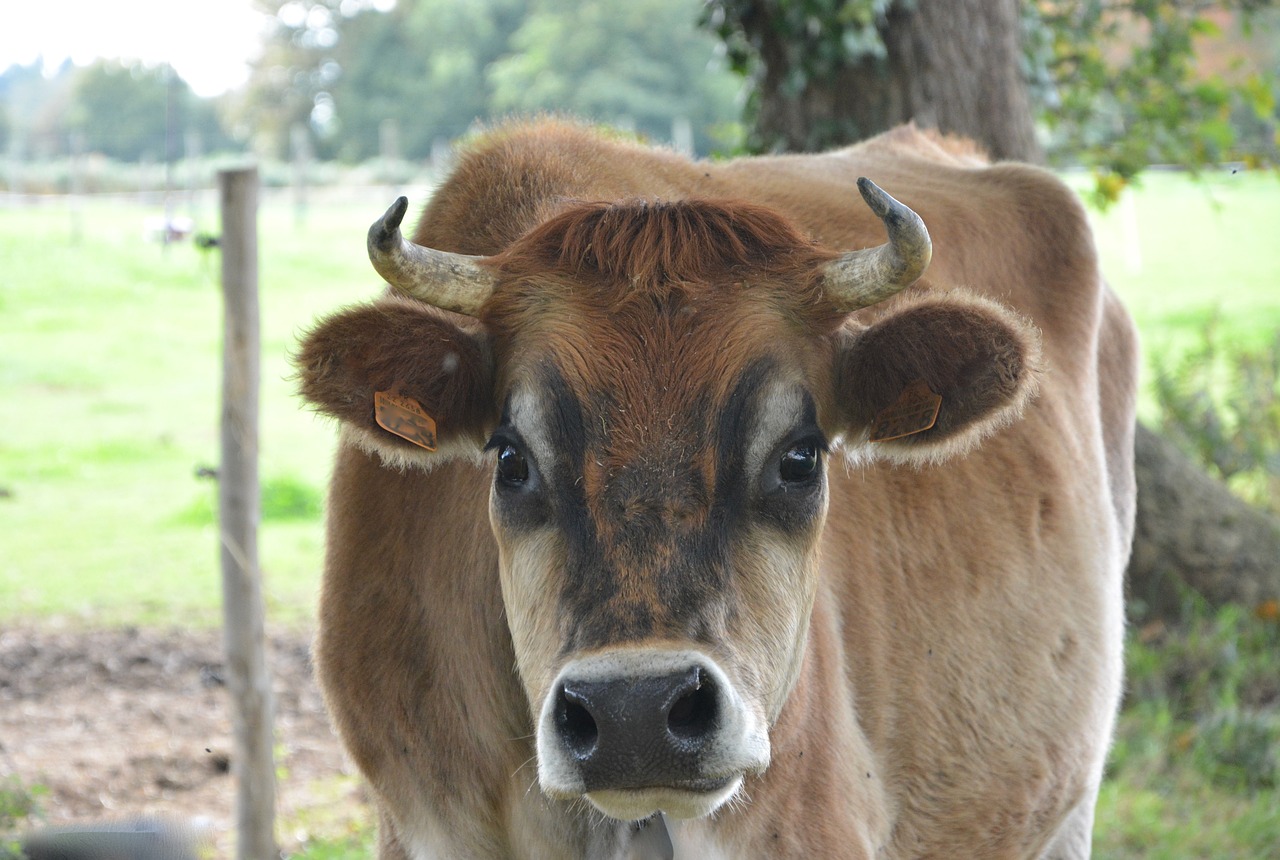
point(367, 79)
point(1113, 85)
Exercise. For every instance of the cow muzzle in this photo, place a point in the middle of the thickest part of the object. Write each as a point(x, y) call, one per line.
point(642, 731)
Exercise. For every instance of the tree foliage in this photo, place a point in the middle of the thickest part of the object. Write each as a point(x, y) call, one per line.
point(431, 68)
point(815, 40)
point(422, 67)
point(136, 112)
point(608, 59)
point(128, 111)
point(1121, 85)
point(1118, 83)
point(35, 107)
point(344, 69)
point(291, 80)
point(1220, 403)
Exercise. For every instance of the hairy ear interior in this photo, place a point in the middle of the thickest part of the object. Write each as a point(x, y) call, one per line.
point(979, 358)
point(415, 356)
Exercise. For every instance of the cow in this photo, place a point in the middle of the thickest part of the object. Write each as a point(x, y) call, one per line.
point(678, 512)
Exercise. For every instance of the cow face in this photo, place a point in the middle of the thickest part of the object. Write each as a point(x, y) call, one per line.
point(658, 388)
point(658, 492)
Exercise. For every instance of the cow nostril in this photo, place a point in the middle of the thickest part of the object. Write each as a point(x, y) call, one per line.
point(693, 715)
point(577, 726)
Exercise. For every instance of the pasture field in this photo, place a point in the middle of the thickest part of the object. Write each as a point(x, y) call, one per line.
point(109, 403)
point(1180, 252)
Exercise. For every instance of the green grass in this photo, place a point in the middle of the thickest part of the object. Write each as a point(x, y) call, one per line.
point(109, 403)
point(1199, 246)
point(338, 825)
point(1180, 252)
point(357, 846)
point(1182, 820)
point(1196, 763)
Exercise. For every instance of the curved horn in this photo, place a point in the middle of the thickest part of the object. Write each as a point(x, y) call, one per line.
point(452, 282)
point(865, 277)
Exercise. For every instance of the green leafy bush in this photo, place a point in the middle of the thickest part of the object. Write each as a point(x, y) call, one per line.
point(1194, 771)
point(1205, 694)
point(19, 807)
point(1220, 403)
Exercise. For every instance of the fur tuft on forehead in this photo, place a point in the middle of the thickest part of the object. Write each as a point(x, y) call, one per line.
point(654, 242)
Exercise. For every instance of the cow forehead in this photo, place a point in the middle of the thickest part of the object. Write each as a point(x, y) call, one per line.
point(647, 336)
point(654, 370)
point(650, 292)
point(664, 427)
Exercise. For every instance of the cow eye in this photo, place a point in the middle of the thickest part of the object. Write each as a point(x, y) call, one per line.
point(513, 468)
point(799, 463)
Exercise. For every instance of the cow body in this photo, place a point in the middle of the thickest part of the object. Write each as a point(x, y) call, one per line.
point(916, 653)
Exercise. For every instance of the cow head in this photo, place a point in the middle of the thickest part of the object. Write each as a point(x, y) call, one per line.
point(657, 387)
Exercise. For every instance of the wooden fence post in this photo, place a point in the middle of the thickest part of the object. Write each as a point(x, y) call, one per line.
point(238, 509)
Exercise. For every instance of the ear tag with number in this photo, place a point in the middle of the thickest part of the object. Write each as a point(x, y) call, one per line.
point(404, 417)
point(915, 411)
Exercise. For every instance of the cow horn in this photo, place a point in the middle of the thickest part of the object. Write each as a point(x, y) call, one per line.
point(865, 277)
point(452, 282)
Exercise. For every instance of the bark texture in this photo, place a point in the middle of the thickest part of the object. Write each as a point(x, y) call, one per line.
point(949, 64)
point(1192, 533)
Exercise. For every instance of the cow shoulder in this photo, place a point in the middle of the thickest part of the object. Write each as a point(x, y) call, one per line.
point(1010, 231)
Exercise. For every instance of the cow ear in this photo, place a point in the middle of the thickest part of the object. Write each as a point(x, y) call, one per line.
point(931, 379)
point(409, 382)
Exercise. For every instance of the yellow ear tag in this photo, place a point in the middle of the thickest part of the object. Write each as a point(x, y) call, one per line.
point(404, 417)
point(915, 411)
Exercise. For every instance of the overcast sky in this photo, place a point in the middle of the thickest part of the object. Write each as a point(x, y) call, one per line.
point(209, 42)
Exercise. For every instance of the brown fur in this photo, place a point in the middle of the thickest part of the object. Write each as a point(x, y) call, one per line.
point(441, 364)
point(967, 350)
point(951, 693)
point(629, 249)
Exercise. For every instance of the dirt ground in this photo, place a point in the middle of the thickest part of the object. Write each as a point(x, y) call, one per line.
point(123, 723)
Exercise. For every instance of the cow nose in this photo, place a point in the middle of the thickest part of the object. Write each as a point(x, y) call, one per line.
point(638, 732)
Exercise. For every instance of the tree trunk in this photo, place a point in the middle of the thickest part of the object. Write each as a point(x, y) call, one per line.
point(949, 64)
point(1193, 534)
point(955, 65)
